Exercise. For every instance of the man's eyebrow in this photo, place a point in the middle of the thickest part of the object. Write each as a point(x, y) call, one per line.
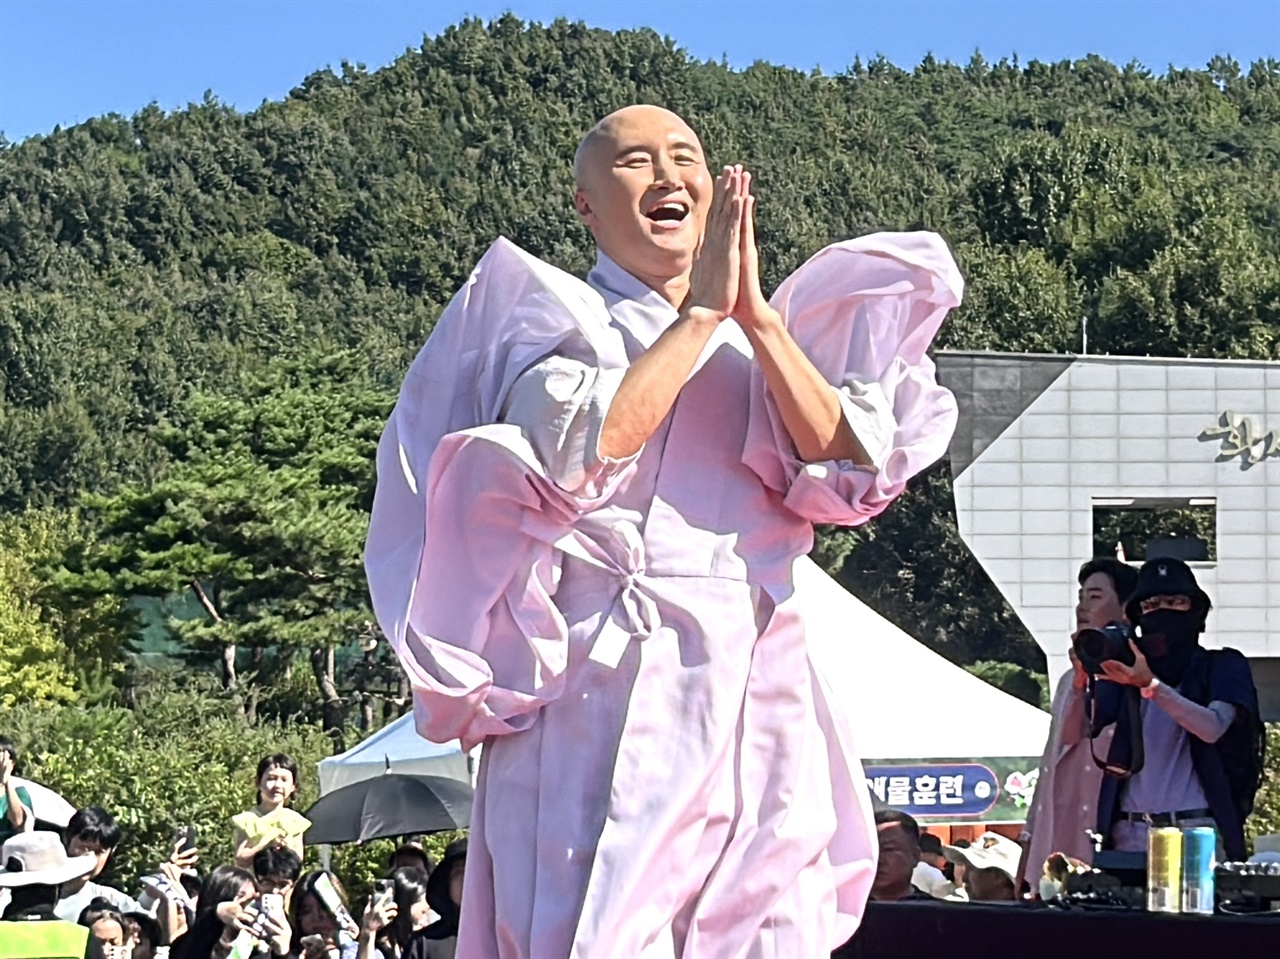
point(641, 148)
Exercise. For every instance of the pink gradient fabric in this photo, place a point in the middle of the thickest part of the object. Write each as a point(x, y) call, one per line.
point(664, 772)
point(1064, 808)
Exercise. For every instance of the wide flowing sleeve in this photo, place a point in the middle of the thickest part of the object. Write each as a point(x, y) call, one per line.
point(560, 405)
point(459, 557)
point(865, 312)
point(485, 647)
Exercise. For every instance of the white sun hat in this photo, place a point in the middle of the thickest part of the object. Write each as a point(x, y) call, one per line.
point(989, 851)
point(37, 858)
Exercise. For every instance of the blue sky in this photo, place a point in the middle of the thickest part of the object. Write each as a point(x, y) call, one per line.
point(63, 61)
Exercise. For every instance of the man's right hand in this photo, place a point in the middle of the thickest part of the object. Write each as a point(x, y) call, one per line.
point(6, 769)
point(714, 280)
point(1079, 678)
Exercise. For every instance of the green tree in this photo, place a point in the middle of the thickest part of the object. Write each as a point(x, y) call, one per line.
point(32, 666)
point(145, 260)
point(53, 646)
point(259, 516)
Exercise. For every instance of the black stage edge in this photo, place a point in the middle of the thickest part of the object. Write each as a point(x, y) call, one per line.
point(902, 930)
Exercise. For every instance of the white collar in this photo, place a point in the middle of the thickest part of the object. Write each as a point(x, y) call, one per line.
point(615, 283)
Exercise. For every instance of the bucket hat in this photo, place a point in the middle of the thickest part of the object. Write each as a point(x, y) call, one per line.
point(37, 858)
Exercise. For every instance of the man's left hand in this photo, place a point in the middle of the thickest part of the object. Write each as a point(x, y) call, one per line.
point(1139, 674)
point(752, 310)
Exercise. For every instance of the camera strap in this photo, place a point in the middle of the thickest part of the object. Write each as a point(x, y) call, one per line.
point(1131, 721)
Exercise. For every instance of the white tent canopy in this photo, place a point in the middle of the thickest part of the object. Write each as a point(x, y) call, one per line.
point(396, 746)
point(47, 805)
point(903, 700)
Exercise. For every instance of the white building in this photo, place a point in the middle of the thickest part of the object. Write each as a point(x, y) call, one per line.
point(1044, 441)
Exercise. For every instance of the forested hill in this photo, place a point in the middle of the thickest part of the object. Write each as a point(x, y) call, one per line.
point(142, 258)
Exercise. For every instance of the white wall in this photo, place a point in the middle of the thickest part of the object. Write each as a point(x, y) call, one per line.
point(1129, 427)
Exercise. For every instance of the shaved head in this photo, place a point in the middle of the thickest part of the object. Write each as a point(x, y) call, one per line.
point(643, 189)
point(610, 132)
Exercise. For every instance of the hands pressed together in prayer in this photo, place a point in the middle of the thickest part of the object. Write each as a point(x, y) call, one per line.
point(725, 281)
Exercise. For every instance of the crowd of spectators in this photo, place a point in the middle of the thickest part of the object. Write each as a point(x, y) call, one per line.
point(918, 866)
point(263, 905)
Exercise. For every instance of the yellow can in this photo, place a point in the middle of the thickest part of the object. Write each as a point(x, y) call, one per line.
point(1164, 870)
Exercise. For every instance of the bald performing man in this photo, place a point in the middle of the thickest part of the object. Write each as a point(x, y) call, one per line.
point(664, 772)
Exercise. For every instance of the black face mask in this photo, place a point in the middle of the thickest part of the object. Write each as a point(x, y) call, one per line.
point(1169, 639)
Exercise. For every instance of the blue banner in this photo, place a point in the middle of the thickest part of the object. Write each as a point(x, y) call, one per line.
point(936, 790)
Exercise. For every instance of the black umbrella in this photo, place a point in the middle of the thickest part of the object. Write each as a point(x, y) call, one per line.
point(392, 804)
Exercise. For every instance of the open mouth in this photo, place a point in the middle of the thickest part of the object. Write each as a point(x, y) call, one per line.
point(670, 211)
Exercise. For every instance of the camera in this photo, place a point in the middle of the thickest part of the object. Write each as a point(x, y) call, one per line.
point(1097, 646)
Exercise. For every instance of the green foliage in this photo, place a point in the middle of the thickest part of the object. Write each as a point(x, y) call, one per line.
point(1265, 818)
point(150, 264)
point(31, 666)
point(911, 566)
point(146, 767)
point(1030, 687)
point(359, 864)
point(51, 645)
point(259, 514)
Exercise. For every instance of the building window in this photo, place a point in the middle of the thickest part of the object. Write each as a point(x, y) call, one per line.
point(1138, 529)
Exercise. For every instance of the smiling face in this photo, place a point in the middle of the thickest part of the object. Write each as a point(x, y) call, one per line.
point(276, 786)
point(643, 189)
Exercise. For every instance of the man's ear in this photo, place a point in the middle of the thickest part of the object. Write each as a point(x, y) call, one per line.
point(583, 206)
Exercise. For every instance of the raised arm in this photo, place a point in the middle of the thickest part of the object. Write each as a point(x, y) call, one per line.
point(16, 812)
point(650, 387)
point(1207, 723)
point(808, 404)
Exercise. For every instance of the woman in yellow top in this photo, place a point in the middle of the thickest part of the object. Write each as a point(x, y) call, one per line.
point(272, 822)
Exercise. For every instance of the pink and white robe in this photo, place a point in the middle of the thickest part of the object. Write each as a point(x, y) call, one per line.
point(664, 771)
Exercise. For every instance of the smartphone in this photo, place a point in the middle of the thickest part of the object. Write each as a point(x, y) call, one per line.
point(384, 890)
point(272, 903)
point(323, 888)
point(184, 837)
point(263, 906)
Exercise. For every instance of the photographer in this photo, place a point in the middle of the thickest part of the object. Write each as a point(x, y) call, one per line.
point(1064, 807)
point(1198, 719)
point(318, 932)
point(106, 930)
point(275, 870)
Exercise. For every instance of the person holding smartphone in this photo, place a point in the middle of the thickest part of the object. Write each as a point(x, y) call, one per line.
point(233, 922)
point(106, 931)
point(323, 932)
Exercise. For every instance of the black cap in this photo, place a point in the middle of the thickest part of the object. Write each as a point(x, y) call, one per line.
point(1166, 577)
